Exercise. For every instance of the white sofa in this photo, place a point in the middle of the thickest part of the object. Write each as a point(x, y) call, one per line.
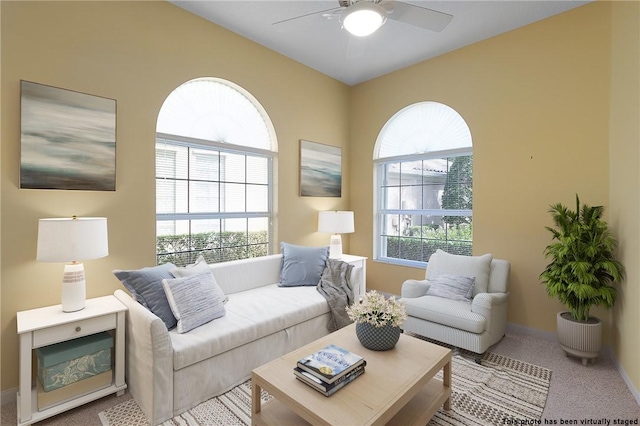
point(169, 373)
point(473, 325)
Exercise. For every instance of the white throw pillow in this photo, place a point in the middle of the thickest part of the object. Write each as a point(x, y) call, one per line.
point(478, 267)
point(194, 300)
point(454, 287)
point(198, 267)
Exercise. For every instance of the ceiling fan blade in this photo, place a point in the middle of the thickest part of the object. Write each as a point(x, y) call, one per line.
point(419, 16)
point(299, 20)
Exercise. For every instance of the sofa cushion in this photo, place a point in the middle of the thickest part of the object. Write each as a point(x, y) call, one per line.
point(145, 285)
point(250, 315)
point(454, 287)
point(184, 271)
point(245, 274)
point(452, 313)
point(478, 267)
point(195, 299)
point(199, 266)
point(302, 265)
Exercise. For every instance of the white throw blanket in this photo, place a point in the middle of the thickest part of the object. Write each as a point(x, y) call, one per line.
point(335, 286)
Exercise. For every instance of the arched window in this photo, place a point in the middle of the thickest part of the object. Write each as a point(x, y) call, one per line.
point(215, 155)
point(423, 185)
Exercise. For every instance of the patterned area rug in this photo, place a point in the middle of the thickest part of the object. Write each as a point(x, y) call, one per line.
point(500, 391)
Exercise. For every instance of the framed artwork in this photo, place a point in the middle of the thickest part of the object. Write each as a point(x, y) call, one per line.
point(320, 170)
point(68, 139)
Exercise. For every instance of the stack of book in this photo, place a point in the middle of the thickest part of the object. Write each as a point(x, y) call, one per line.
point(329, 369)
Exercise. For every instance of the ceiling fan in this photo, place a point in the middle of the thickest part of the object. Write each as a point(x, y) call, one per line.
point(364, 17)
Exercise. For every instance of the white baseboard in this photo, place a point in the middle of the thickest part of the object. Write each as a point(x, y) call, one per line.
point(551, 336)
point(533, 332)
point(8, 396)
point(624, 375)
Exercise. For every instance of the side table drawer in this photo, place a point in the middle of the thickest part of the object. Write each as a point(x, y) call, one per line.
point(73, 330)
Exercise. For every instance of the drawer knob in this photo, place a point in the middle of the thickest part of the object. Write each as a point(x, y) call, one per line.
point(78, 329)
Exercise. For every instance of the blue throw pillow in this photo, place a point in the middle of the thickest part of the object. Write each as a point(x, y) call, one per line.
point(302, 265)
point(145, 285)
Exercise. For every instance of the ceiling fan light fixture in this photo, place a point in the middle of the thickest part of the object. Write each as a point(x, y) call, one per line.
point(363, 18)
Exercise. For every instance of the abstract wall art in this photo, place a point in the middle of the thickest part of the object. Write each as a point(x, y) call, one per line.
point(68, 139)
point(320, 170)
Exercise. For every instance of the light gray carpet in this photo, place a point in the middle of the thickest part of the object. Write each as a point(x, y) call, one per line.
point(576, 392)
point(501, 389)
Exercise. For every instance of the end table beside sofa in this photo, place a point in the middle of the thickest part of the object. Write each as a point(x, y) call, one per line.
point(46, 326)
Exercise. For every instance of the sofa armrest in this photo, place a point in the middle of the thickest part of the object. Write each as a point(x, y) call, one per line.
point(357, 283)
point(414, 288)
point(149, 360)
point(492, 306)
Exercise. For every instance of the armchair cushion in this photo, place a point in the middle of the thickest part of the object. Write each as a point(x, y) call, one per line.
point(478, 267)
point(451, 313)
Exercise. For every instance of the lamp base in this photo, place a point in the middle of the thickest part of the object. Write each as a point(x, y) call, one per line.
point(335, 247)
point(74, 291)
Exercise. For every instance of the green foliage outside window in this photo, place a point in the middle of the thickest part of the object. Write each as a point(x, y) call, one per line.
point(216, 247)
point(458, 189)
point(421, 242)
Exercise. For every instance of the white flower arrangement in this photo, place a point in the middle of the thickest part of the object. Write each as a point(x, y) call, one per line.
point(378, 311)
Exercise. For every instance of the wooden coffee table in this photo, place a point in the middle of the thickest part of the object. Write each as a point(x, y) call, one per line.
point(398, 386)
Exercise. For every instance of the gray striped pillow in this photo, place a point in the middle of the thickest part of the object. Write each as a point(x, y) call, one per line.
point(454, 287)
point(194, 300)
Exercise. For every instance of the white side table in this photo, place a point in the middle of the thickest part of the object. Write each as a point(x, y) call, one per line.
point(361, 262)
point(46, 326)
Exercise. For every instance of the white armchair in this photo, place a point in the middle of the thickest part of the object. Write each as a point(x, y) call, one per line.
point(473, 324)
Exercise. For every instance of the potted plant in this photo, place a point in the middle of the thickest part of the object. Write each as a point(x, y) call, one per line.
point(378, 320)
point(580, 274)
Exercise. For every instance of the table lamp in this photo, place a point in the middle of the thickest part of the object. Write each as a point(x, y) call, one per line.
point(72, 240)
point(336, 223)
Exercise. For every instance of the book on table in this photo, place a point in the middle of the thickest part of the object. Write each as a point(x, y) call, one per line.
point(325, 388)
point(331, 363)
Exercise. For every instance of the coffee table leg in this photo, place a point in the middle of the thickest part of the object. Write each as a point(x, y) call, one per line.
point(446, 381)
point(255, 400)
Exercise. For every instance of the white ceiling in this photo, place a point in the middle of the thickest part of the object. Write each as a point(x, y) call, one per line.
point(321, 44)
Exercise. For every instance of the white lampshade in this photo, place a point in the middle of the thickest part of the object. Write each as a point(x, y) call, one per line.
point(72, 240)
point(363, 18)
point(335, 222)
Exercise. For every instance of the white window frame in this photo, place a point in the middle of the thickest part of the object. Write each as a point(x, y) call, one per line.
point(225, 118)
point(234, 149)
point(380, 203)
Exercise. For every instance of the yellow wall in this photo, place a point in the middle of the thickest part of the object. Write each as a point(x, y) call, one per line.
point(136, 53)
point(625, 179)
point(537, 103)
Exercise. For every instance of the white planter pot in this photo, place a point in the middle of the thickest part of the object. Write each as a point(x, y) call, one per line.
point(580, 339)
